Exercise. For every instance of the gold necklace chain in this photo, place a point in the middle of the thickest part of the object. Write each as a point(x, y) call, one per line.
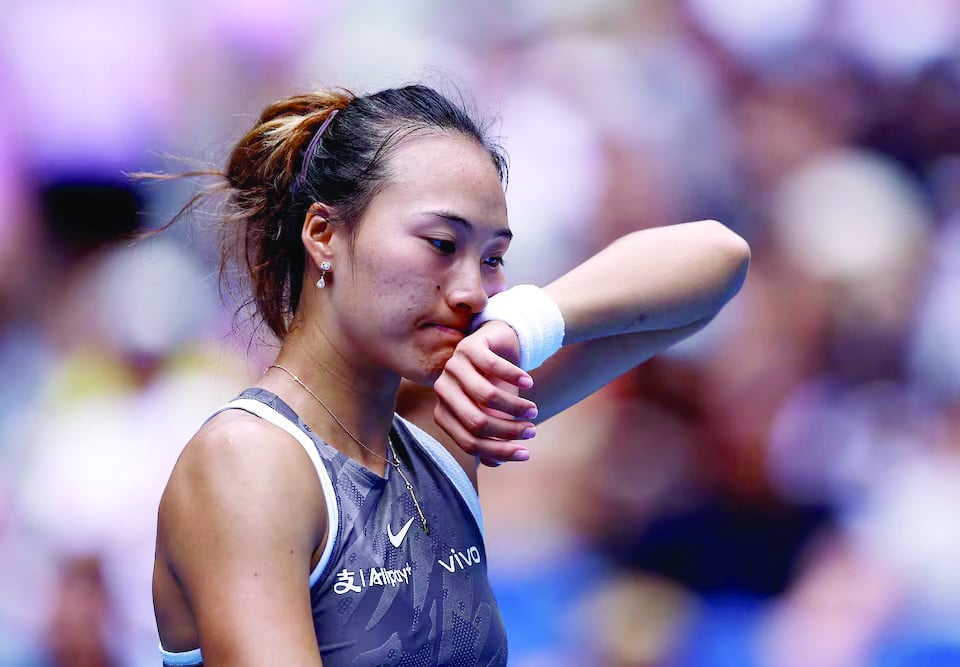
point(396, 460)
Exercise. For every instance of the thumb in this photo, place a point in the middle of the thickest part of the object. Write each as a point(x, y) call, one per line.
point(502, 340)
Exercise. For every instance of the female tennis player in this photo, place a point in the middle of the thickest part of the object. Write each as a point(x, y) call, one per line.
point(306, 523)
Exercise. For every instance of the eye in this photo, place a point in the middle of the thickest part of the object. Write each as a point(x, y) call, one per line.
point(444, 246)
point(494, 262)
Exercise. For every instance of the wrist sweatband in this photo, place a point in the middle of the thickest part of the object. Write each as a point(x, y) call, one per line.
point(535, 317)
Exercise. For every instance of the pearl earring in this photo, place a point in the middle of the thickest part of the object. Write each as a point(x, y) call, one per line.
point(324, 267)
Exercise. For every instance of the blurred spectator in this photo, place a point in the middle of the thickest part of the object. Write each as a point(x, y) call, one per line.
point(80, 623)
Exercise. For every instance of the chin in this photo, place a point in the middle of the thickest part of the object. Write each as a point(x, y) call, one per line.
point(428, 370)
point(422, 380)
point(425, 376)
point(422, 377)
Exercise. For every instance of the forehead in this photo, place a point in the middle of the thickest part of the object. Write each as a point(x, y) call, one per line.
point(445, 171)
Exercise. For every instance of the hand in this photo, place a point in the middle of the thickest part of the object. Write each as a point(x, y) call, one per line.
point(478, 401)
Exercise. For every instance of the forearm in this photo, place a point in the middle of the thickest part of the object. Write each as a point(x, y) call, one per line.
point(580, 369)
point(655, 279)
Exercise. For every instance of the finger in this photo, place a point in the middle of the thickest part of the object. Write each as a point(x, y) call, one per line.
point(484, 448)
point(476, 393)
point(479, 422)
point(484, 392)
point(491, 364)
point(519, 455)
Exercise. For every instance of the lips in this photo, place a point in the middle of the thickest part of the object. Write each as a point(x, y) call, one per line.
point(449, 329)
point(452, 329)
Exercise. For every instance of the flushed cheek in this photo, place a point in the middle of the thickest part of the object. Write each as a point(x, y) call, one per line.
point(403, 301)
point(416, 350)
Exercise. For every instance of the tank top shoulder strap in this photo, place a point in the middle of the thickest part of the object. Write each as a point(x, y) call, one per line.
point(267, 413)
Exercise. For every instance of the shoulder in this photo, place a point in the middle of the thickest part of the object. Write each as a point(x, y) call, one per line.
point(240, 475)
point(237, 447)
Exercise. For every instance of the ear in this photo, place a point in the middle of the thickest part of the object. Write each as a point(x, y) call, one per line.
point(320, 237)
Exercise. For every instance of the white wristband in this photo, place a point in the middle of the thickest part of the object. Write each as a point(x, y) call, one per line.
point(535, 317)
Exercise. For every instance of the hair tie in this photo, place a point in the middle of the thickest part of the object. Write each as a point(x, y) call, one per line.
point(312, 146)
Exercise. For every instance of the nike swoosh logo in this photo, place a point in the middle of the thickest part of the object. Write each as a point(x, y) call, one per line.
point(397, 540)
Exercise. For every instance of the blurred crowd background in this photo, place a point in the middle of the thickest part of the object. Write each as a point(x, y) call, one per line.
point(783, 490)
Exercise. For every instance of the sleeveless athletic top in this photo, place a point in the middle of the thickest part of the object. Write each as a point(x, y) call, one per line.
point(384, 592)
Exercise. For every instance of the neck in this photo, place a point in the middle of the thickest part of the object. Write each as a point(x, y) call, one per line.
point(363, 399)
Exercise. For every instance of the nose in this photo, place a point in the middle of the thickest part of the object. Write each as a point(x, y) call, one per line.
point(467, 291)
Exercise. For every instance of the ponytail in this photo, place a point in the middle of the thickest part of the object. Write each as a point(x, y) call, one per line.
point(263, 221)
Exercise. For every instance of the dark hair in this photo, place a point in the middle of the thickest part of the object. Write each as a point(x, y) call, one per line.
point(270, 182)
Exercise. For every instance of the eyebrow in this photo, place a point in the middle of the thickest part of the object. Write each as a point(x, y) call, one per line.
point(456, 219)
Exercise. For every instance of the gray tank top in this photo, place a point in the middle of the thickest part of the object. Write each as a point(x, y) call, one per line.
point(384, 592)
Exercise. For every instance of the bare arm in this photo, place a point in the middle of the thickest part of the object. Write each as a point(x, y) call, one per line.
point(643, 293)
point(652, 280)
point(241, 556)
point(640, 295)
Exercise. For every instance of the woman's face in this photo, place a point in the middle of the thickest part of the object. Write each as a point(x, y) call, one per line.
point(427, 254)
